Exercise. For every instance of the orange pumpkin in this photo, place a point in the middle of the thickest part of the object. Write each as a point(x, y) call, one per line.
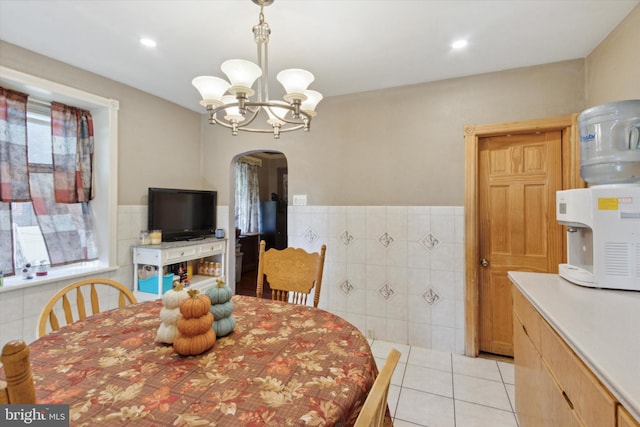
point(190, 346)
point(195, 306)
point(194, 326)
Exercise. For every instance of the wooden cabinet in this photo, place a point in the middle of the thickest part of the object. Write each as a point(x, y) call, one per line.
point(176, 252)
point(540, 401)
point(553, 386)
point(591, 400)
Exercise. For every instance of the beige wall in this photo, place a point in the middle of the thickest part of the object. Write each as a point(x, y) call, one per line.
point(402, 146)
point(158, 141)
point(613, 68)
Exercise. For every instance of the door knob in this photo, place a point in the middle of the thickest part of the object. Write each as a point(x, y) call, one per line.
point(484, 262)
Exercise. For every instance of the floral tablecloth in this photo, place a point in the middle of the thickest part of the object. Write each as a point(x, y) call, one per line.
point(284, 365)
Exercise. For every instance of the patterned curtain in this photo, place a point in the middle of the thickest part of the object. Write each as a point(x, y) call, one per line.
point(247, 212)
point(60, 196)
point(14, 185)
point(72, 138)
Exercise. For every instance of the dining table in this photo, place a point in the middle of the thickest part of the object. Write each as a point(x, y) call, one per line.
point(283, 365)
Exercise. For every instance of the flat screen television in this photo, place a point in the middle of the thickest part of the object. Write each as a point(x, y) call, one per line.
point(182, 214)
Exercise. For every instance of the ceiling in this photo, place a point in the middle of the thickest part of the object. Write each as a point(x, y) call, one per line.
point(350, 45)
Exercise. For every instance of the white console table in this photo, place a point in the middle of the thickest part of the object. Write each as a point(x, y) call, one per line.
point(168, 253)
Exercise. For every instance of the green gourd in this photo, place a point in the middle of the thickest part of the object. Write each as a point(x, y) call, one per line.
point(224, 327)
point(221, 311)
point(220, 293)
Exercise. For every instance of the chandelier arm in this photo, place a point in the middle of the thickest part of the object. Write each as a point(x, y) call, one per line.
point(259, 105)
point(307, 116)
point(223, 123)
point(289, 127)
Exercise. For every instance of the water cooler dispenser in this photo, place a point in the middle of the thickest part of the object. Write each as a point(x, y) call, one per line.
point(603, 221)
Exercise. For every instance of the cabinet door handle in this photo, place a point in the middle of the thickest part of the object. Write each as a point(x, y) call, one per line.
point(564, 394)
point(524, 329)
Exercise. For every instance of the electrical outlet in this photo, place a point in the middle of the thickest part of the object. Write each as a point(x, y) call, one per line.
point(299, 199)
point(371, 334)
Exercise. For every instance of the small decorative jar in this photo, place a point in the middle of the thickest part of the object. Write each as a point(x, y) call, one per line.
point(27, 271)
point(217, 269)
point(144, 238)
point(43, 268)
point(156, 237)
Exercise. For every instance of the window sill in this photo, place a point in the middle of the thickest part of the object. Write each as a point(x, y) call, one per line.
point(56, 274)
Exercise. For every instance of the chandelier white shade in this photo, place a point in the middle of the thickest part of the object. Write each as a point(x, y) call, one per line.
point(211, 89)
point(229, 103)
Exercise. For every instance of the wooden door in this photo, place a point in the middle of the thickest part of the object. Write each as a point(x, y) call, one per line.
point(518, 176)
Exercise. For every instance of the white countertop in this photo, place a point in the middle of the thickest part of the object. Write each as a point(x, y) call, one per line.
point(601, 326)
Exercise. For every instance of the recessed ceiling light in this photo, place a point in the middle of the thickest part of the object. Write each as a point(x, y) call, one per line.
point(148, 42)
point(459, 44)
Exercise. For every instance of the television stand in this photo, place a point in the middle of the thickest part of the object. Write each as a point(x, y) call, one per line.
point(167, 253)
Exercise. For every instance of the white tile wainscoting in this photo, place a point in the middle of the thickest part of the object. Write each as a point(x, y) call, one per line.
point(396, 272)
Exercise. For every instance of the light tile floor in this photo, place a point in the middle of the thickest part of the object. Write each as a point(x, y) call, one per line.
point(437, 389)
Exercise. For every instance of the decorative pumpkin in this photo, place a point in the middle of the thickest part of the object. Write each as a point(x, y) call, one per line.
point(190, 346)
point(167, 333)
point(194, 326)
point(224, 327)
point(173, 297)
point(195, 306)
point(195, 334)
point(169, 315)
point(221, 311)
point(220, 293)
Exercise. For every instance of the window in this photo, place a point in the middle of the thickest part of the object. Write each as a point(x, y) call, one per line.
point(29, 243)
point(103, 208)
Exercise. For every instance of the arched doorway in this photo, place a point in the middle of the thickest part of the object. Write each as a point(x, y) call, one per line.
point(268, 212)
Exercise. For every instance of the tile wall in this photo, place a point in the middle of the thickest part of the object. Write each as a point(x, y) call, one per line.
point(397, 273)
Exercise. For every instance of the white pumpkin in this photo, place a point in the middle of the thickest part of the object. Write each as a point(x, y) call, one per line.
point(173, 297)
point(167, 333)
point(169, 315)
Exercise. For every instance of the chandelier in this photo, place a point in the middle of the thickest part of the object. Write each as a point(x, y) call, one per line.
point(231, 105)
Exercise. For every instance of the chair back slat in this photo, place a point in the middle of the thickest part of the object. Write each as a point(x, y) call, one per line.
point(82, 313)
point(53, 321)
point(291, 273)
point(122, 301)
point(95, 303)
point(18, 387)
point(125, 297)
point(375, 406)
point(66, 306)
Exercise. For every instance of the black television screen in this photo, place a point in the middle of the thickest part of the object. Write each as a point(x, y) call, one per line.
point(182, 214)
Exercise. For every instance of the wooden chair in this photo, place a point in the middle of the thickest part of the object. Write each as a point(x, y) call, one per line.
point(375, 406)
point(125, 297)
point(18, 387)
point(291, 272)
